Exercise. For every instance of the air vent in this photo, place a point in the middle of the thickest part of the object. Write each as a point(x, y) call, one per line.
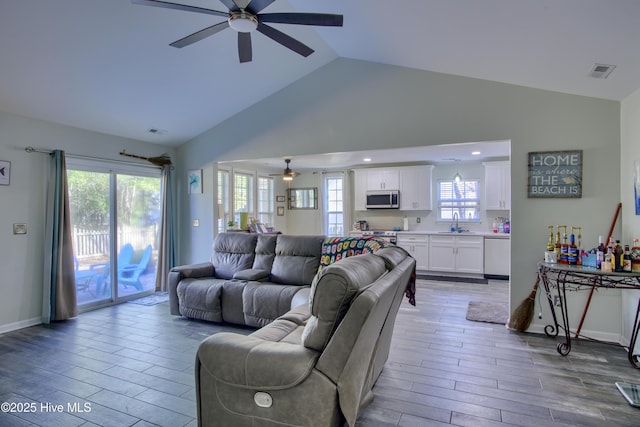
point(157, 131)
point(601, 71)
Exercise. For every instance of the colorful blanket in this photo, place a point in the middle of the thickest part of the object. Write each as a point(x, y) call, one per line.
point(336, 248)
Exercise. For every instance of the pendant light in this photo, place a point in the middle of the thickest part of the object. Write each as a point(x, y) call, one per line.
point(457, 178)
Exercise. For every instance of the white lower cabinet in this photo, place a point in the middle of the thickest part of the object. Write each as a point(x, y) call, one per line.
point(456, 254)
point(418, 247)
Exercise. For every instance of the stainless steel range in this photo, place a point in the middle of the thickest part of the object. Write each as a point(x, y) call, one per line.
point(386, 235)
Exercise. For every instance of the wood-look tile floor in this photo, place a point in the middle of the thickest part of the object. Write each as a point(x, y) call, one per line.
point(133, 365)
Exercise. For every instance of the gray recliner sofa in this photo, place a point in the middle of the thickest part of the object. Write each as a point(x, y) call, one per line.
point(315, 365)
point(251, 279)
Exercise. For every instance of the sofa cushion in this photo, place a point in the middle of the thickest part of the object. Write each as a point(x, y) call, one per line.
point(392, 256)
point(297, 259)
point(200, 299)
point(332, 291)
point(233, 252)
point(265, 252)
point(263, 302)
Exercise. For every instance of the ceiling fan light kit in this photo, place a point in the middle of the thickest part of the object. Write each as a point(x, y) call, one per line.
point(242, 22)
point(245, 19)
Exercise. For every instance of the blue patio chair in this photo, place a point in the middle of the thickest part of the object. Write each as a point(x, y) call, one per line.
point(124, 261)
point(130, 275)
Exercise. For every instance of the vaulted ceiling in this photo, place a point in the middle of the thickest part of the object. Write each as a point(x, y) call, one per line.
point(106, 65)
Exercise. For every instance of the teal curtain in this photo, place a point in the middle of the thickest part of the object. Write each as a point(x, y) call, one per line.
point(59, 293)
point(166, 254)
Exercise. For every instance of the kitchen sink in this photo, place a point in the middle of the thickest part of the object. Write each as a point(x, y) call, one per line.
point(456, 232)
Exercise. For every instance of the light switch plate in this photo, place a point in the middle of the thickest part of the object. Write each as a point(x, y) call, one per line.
point(19, 228)
point(196, 223)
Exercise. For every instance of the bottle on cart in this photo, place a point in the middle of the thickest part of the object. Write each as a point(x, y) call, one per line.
point(635, 256)
point(606, 262)
point(550, 246)
point(611, 250)
point(564, 247)
point(572, 250)
point(600, 250)
point(626, 259)
point(619, 257)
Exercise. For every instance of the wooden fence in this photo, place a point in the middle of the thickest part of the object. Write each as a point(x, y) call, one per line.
point(91, 242)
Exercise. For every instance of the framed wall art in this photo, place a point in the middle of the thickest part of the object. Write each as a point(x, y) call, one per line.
point(5, 172)
point(555, 174)
point(195, 181)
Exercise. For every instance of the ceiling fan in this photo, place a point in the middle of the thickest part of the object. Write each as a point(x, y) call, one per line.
point(287, 174)
point(244, 17)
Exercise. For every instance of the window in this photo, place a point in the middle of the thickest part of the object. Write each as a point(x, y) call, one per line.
point(223, 199)
point(334, 206)
point(265, 200)
point(459, 197)
point(242, 193)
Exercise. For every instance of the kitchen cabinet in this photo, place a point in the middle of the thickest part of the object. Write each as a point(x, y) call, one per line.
point(456, 254)
point(415, 188)
point(383, 179)
point(497, 185)
point(373, 179)
point(497, 257)
point(418, 247)
point(360, 189)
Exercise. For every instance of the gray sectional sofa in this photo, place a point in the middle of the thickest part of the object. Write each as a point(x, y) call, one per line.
point(251, 279)
point(316, 364)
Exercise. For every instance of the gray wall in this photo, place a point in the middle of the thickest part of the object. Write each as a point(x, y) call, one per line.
point(353, 105)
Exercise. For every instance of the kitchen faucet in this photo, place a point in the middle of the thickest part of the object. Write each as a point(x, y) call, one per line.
point(455, 220)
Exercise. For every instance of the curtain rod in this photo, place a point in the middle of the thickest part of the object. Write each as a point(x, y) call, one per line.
point(101, 159)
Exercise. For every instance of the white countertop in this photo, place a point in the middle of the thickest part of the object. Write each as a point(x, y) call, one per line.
point(485, 234)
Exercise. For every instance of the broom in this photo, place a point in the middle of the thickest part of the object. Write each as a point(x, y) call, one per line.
point(523, 314)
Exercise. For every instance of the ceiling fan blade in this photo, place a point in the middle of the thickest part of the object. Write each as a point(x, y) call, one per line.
point(231, 5)
point(176, 6)
point(322, 19)
point(199, 35)
point(256, 6)
point(285, 40)
point(244, 47)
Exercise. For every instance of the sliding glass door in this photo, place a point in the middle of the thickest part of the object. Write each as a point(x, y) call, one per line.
point(115, 220)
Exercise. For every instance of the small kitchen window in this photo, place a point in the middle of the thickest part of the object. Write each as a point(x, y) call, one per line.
point(461, 197)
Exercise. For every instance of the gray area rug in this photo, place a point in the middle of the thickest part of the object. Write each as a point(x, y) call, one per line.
point(488, 312)
point(157, 298)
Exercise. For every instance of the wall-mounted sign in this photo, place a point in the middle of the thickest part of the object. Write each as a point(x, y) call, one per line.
point(555, 174)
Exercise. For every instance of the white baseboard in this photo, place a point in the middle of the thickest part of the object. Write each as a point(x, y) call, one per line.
point(596, 335)
point(20, 325)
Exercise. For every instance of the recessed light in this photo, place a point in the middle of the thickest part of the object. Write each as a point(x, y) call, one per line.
point(475, 153)
point(366, 159)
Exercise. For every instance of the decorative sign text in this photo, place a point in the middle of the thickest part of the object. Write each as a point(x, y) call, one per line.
point(555, 174)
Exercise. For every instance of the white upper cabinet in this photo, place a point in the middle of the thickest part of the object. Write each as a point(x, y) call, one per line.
point(497, 185)
point(383, 179)
point(359, 189)
point(413, 182)
point(415, 188)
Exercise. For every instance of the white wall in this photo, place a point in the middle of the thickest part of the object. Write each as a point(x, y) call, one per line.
point(23, 201)
point(351, 105)
point(630, 152)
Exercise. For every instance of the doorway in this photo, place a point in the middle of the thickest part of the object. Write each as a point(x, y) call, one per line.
point(115, 220)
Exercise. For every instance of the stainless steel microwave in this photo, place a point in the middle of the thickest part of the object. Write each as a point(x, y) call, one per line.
point(383, 199)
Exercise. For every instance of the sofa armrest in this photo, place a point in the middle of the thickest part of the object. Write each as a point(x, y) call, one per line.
point(176, 274)
point(251, 274)
point(250, 362)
